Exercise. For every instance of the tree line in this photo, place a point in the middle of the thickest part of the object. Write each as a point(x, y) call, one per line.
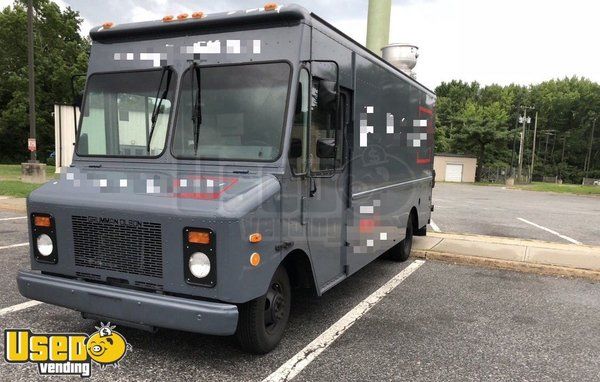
point(59, 53)
point(470, 118)
point(486, 122)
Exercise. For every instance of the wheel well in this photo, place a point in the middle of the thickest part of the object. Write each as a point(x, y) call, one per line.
point(415, 215)
point(297, 264)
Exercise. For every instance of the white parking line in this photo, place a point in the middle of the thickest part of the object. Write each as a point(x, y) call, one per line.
point(16, 218)
point(434, 226)
point(551, 231)
point(16, 308)
point(15, 245)
point(297, 363)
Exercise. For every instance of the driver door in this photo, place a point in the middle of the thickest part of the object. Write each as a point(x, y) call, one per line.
point(327, 174)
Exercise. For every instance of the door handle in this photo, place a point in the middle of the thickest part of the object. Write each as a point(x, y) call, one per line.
point(313, 187)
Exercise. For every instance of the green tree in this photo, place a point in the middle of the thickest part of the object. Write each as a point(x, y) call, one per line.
point(60, 52)
point(566, 110)
point(479, 126)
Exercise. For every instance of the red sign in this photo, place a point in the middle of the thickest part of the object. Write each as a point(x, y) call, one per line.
point(31, 144)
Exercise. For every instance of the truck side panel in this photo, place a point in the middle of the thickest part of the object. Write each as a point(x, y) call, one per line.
point(392, 160)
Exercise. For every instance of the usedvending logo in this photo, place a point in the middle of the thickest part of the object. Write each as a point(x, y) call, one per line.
point(68, 353)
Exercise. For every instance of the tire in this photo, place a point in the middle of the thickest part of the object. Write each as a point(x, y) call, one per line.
point(262, 321)
point(402, 251)
point(421, 231)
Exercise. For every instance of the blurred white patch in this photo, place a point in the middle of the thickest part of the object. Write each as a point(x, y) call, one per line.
point(233, 46)
point(366, 209)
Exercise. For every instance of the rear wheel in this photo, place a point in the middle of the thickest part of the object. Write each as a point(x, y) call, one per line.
point(262, 321)
point(401, 252)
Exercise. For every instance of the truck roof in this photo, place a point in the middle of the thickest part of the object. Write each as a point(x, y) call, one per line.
point(157, 29)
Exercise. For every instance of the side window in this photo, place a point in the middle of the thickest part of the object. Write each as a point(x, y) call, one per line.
point(326, 135)
point(299, 143)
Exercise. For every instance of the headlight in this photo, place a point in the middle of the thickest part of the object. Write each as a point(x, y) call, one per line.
point(45, 246)
point(199, 265)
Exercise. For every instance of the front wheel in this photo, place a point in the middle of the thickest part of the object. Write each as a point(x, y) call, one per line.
point(402, 251)
point(262, 321)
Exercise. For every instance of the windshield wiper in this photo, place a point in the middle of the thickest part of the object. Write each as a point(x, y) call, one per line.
point(197, 108)
point(158, 104)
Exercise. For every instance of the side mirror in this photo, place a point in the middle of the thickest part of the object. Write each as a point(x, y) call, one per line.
point(82, 147)
point(77, 100)
point(326, 148)
point(295, 148)
point(328, 93)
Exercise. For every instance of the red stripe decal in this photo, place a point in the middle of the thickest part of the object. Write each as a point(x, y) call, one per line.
point(366, 225)
point(204, 195)
point(425, 110)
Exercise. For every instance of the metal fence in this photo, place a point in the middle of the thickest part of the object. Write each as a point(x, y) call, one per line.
point(495, 174)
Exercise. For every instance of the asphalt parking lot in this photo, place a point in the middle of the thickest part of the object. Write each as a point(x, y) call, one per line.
point(443, 322)
point(498, 211)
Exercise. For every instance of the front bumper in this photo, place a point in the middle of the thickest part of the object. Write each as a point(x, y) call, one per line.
point(125, 305)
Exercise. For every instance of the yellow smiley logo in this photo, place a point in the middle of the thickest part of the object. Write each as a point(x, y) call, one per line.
point(106, 346)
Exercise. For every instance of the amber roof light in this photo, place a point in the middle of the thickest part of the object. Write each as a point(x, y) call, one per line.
point(168, 18)
point(270, 6)
point(197, 15)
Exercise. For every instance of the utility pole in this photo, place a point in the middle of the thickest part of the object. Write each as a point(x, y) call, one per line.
point(548, 133)
point(512, 154)
point(33, 156)
point(522, 144)
point(562, 156)
point(533, 149)
point(378, 25)
point(588, 158)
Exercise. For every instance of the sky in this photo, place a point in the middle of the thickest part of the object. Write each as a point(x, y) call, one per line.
point(489, 41)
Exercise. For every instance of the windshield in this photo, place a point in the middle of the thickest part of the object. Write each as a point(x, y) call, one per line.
point(118, 114)
point(240, 113)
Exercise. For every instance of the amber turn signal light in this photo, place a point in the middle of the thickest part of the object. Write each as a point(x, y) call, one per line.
point(42, 221)
point(255, 238)
point(270, 6)
point(255, 259)
point(198, 237)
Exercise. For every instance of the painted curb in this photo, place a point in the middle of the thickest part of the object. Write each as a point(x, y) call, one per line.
point(531, 256)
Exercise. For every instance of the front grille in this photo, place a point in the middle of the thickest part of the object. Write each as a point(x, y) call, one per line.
point(118, 245)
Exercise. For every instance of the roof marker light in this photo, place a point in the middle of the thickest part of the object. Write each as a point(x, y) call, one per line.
point(270, 6)
point(108, 25)
point(182, 16)
point(198, 15)
point(168, 18)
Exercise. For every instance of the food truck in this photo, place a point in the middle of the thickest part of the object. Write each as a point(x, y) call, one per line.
point(223, 160)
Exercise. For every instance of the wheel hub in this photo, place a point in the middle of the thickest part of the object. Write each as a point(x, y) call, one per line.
point(274, 306)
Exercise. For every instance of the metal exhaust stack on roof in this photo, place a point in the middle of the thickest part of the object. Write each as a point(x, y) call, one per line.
point(402, 56)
